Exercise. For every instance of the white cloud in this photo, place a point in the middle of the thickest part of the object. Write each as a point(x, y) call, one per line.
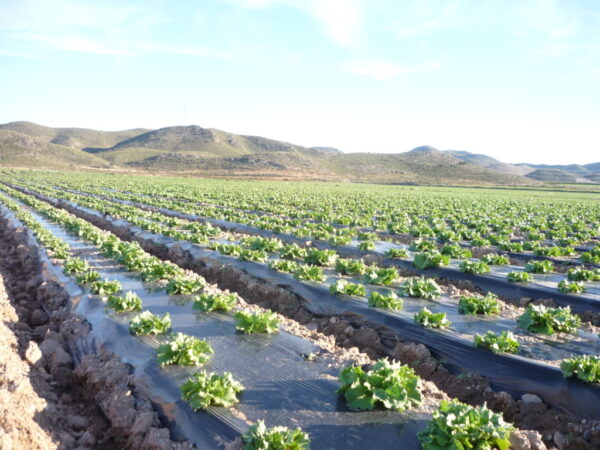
point(79, 44)
point(383, 70)
point(342, 19)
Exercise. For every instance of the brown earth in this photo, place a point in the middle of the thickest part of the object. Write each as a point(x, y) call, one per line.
point(49, 398)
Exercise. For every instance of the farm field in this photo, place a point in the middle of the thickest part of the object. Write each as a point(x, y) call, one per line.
point(351, 315)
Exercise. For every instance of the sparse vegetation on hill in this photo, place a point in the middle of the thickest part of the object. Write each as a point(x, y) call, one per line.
point(211, 152)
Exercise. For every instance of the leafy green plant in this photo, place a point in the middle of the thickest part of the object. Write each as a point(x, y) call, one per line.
point(542, 319)
point(158, 270)
point(366, 245)
point(421, 287)
point(320, 257)
point(456, 251)
point(342, 286)
point(292, 251)
point(75, 266)
point(340, 240)
point(247, 254)
point(422, 245)
point(147, 323)
point(457, 426)
point(505, 342)
point(426, 260)
point(386, 301)
point(203, 390)
point(307, 272)
point(259, 437)
point(389, 384)
point(479, 305)
point(584, 367)
point(130, 302)
point(283, 265)
point(226, 249)
point(544, 266)
point(428, 319)
point(260, 243)
point(583, 274)
point(381, 275)
point(256, 322)
point(396, 253)
point(469, 266)
point(184, 350)
point(185, 285)
point(519, 277)
point(495, 259)
point(571, 287)
point(88, 277)
point(105, 287)
point(591, 257)
point(350, 266)
point(215, 302)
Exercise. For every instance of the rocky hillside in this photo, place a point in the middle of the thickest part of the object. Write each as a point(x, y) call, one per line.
point(211, 152)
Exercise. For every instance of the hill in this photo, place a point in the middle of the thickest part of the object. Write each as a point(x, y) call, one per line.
point(570, 173)
point(22, 150)
point(211, 152)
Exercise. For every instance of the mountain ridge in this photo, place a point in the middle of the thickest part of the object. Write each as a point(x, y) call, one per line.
point(208, 151)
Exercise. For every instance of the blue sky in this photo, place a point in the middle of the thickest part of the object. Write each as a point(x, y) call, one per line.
point(516, 79)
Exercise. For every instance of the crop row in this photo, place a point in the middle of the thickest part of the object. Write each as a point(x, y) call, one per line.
point(354, 278)
point(551, 237)
point(389, 385)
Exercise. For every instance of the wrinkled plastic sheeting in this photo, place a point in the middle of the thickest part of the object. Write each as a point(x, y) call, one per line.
point(511, 373)
point(280, 383)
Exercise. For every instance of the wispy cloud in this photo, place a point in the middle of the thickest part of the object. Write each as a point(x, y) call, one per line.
point(384, 70)
point(342, 19)
point(73, 43)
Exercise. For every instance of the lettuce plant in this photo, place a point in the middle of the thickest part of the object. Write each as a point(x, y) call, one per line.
point(571, 287)
point(428, 319)
point(584, 367)
point(456, 251)
point(256, 322)
point(421, 287)
point(386, 301)
point(519, 277)
point(320, 257)
point(505, 342)
point(215, 302)
point(429, 259)
point(495, 259)
point(203, 390)
point(477, 267)
point(292, 251)
point(479, 305)
point(583, 274)
point(389, 384)
point(147, 323)
point(88, 277)
point(105, 287)
point(350, 266)
point(184, 350)
point(307, 272)
point(396, 253)
point(75, 266)
point(130, 302)
point(185, 285)
point(283, 265)
point(544, 266)
point(455, 425)
point(259, 437)
point(542, 319)
point(342, 286)
point(381, 275)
